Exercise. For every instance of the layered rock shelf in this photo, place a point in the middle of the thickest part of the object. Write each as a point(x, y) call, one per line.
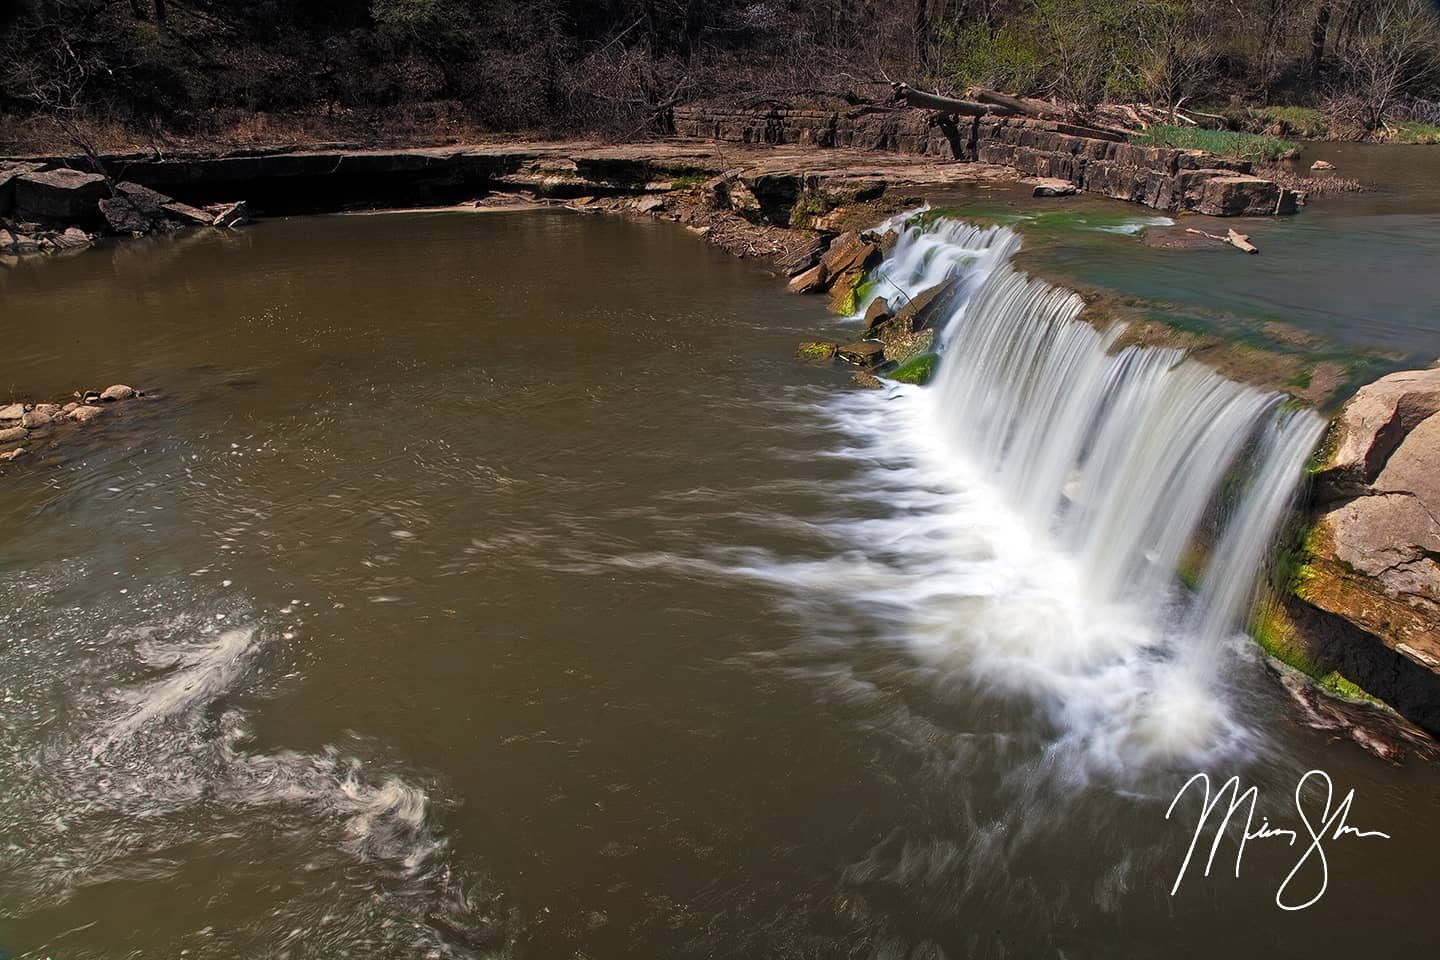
point(1163, 178)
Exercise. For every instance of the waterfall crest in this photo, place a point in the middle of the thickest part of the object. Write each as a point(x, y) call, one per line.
point(1123, 459)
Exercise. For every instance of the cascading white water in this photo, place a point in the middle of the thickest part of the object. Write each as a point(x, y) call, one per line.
point(1115, 457)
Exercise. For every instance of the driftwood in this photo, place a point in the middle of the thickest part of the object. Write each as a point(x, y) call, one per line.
point(1039, 109)
point(1240, 241)
point(933, 101)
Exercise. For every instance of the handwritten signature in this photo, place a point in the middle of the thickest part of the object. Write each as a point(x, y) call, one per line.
point(1330, 825)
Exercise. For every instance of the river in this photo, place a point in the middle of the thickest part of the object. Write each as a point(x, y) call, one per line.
point(496, 584)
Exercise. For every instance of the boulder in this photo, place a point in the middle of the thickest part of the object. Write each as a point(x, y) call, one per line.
point(13, 411)
point(1322, 165)
point(86, 413)
point(47, 409)
point(117, 392)
point(9, 455)
point(877, 313)
point(927, 307)
point(865, 353)
point(1371, 427)
point(813, 280)
point(867, 381)
point(35, 420)
point(11, 434)
point(650, 204)
point(136, 210)
point(1241, 196)
point(848, 252)
point(71, 238)
point(1053, 187)
point(66, 195)
point(9, 173)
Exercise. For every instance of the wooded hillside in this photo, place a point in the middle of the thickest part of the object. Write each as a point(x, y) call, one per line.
point(194, 67)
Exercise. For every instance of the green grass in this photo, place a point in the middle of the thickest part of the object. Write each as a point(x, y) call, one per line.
point(1304, 122)
point(1224, 143)
point(1416, 133)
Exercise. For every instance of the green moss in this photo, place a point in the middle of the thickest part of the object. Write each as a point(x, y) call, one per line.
point(1322, 453)
point(815, 351)
point(808, 206)
point(918, 370)
point(687, 181)
point(1302, 379)
point(849, 303)
point(1224, 143)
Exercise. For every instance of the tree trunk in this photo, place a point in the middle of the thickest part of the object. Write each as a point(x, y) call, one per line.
point(1317, 39)
point(160, 12)
point(1030, 108)
point(931, 101)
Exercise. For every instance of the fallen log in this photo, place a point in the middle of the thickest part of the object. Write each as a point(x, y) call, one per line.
point(1039, 109)
point(933, 101)
point(1239, 241)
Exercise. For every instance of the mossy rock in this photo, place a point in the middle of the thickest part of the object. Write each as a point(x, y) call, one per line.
point(918, 370)
point(815, 351)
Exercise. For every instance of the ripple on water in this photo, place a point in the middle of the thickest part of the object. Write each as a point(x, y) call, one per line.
point(131, 760)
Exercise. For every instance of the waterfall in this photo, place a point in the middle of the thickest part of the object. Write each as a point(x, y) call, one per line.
point(1122, 459)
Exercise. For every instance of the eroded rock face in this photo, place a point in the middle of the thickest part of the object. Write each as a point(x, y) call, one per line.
point(1372, 426)
point(1376, 542)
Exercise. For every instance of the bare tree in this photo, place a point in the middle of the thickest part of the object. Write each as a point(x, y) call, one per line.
point(1392, 53)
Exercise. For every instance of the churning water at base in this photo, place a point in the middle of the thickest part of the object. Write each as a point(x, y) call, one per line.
point(1083, 477)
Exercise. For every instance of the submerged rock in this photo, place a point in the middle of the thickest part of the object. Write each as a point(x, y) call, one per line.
point(35, 420)
point(867, 381)
point(1322, 165)
point(12, 434)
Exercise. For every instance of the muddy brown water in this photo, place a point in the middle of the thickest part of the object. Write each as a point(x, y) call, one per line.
point(497, 585)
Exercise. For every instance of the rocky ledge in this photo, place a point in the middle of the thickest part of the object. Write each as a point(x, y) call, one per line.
point(1362, 598)
point(1164, 178)
point(26, 428)
point(47, 206)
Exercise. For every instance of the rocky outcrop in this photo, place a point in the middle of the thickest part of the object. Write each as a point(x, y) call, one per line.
point(57, 208)
point(1371, 570)
point(1060, 153)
